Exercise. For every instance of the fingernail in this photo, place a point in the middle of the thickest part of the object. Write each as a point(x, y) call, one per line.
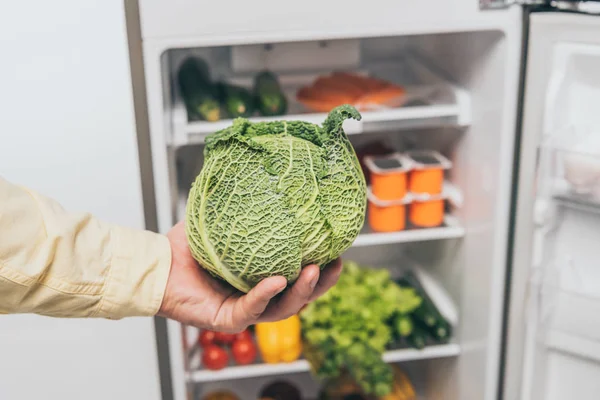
point(314, 281)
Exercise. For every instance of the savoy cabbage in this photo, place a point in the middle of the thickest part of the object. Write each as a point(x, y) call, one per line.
point(273, 197)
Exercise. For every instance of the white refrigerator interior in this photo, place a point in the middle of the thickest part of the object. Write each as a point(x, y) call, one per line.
point(67, 130)
point(554, 330)
point(466, 64)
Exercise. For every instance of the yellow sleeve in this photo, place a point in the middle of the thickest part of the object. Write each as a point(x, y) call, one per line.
point(73, 265)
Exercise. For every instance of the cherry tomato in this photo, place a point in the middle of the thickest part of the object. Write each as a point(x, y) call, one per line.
point(206, 338)
point(244, 351)
point(244, 335)
point(224, 338)
point(214, 357)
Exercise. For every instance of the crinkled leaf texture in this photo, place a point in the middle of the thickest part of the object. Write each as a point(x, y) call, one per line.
point(273, 197)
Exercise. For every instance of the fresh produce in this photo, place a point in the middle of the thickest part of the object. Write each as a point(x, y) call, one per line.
point(244, 351)
point(280, 390)
point(350, 326)
point(214, 357)
point(427, 315)
point(402, 388)
point(198, 93)
point(221, 395)
point(273, 197)
point(279, 341)
point(206, 338)
point(270, 99)
point(363, 92)
point(345, 388)
point(235, 100)
point(245, 334)
point(224, 338)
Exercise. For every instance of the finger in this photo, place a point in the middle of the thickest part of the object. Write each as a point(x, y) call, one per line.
point(329, 277)
point(294, 299)
point(250, 307)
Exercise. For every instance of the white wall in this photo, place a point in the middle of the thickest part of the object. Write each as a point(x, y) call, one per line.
point(67, 130)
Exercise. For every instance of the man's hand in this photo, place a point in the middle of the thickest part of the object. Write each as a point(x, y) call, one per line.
point(194, 298)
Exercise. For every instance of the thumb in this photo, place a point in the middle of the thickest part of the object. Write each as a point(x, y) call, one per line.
point(251, 306)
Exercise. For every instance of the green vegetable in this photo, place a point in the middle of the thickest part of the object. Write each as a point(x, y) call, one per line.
point(404, 325)
point(236, 101)
point(427, 313)
point(348, 327)
point(270, 99)
point(273, 197)
point(198, 93)
point(417, 338)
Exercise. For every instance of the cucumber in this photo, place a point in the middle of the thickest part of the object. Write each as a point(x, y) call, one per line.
point(235, 100)
point(417, 338)
point(427, 313)
point(198, 93)
point(403, 325)
point(270, 99)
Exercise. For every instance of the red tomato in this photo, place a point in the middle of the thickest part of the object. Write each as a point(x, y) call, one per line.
point(244, 335)
point(224, 338)
point(206, 338)
point(244, 351)
point(214, 357)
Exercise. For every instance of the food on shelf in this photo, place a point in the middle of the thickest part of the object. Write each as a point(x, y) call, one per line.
point(235, 100)
point(213, 346)
point(345, 388)
point(292, 188)
point(206, 338)
point(388, 175)
point(426, 213)
point(426, 314)
point(244, 351)
point(198, 92)
point(280, 390)
point(270, 99)
point(400, 180)
point(386, 216)
point(374, 148)
point(224, 338)
point(245, 334)
point(427, 171)
point(350, 326)
point(220, 395)
point(214, 357)
point(363, 92)
point(279, 341)
point(402, 387)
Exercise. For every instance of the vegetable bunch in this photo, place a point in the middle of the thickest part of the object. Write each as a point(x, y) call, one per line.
point(350, 326)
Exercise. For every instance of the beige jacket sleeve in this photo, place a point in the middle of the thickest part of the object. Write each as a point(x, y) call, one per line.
point(72, 265)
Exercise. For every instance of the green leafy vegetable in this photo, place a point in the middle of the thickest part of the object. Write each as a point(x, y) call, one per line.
point(350, 326)
point(273, 197)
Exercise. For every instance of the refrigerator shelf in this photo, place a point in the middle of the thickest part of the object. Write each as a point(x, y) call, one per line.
point(432, 102)
point(451, 229)
point(256, 370)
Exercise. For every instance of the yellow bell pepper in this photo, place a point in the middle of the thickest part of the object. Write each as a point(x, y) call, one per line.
point(279, 341)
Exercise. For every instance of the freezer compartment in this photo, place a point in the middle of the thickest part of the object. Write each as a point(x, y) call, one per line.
point(320, 69)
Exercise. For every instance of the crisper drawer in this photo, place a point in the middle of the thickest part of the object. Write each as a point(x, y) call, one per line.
point(191, 19)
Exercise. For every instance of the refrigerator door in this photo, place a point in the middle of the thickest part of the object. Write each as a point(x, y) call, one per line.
point(553, 330)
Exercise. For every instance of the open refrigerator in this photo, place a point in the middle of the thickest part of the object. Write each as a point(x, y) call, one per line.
point(511, 266)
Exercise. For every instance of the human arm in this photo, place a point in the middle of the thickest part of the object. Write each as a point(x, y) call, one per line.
point(62, 264)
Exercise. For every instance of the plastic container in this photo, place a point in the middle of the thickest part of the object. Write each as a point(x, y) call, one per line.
point(386, 216)
point(426, 213)
point(427, 171)
point(389, 175)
